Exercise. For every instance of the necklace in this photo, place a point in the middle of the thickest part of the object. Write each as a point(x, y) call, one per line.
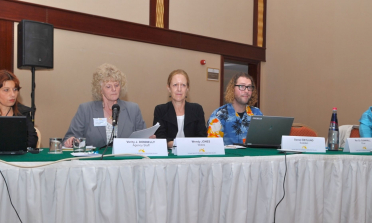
point(107, 113)
point(8, 111)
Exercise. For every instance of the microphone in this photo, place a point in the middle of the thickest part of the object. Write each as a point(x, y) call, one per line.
point(115, 114)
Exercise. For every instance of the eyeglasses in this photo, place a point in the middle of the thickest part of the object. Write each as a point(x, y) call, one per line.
point(243, 87)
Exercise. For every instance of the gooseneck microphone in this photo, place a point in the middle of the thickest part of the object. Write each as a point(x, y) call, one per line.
point(115, 114)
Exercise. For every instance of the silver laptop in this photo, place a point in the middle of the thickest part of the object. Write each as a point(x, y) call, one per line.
point(13, 135)
point(267, 131)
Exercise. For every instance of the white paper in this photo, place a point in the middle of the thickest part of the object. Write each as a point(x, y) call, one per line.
point(234, 147)
point(86, 154)
point(144, 146)
point(303, 144)
point(358, 145)
point(145, 133)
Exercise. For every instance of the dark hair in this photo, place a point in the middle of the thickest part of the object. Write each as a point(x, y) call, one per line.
point(6, 75)
point(229, 94)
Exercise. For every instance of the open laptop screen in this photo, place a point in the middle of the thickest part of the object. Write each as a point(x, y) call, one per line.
point(13, 135)
point(267, 131)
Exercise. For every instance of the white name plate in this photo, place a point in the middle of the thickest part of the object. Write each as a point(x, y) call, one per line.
point(198, 146)
point(358, 145)
point(146, 147)
point(304, 144)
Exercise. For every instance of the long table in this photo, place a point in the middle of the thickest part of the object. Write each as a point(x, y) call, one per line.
point(43, 156)
point(243, 186)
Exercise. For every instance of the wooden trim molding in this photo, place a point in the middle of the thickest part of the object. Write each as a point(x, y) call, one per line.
point(264, 23)
point(222, 78)
point(255, 23)
point(6, 45)
point(80, 22)
point(255, 71)
point(152, 13)
point(166, 14)
point(159, 13)
point(259, 23)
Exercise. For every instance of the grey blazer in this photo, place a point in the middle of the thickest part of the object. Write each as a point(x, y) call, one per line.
point(82, 125)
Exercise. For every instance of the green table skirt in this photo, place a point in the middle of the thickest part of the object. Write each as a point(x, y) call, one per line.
point(43, 156)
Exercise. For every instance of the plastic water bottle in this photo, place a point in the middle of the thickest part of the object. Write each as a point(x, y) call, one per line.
point(333, 134)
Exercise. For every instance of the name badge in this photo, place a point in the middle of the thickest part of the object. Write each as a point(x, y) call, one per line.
point(303, 144)
point(198, 146)
point(147, 147)
point(358, 145)
point(100, 121)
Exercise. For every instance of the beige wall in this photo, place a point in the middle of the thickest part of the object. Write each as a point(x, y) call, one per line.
point(229, 20)
point(129, 10)
point(76, 56)
point(318, 57)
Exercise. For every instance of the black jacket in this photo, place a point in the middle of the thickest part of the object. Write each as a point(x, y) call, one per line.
point(31, 132)
point(194, 123)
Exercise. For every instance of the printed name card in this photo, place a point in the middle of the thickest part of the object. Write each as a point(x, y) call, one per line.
point(146, 147)
point(198, 146)
point(358, 145)
point(304, 144)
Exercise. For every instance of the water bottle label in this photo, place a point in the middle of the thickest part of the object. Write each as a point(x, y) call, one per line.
point(333, 126)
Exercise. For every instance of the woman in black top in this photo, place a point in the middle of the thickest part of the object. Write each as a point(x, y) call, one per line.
point(9, 105)
point(179, 118)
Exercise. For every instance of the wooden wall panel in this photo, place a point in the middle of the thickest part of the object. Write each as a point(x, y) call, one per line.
point(80, 22)
point(166, 14)
point(16, 11)
point(110, 27)
point(222, 47)
point(6, 45)
point(259, 26)
point(152, 13)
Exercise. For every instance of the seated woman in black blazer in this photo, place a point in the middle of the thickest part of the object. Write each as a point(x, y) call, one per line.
point(179, 118)
point(9, 105)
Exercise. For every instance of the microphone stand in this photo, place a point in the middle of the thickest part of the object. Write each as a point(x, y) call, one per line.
point(112, 137)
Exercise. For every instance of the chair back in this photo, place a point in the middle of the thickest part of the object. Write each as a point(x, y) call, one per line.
point(355, 132)
point(299, 129)
point(39, 138)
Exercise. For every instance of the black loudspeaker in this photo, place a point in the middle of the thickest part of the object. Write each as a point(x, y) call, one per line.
point(35, 45)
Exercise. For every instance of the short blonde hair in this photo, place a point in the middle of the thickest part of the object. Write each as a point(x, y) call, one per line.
point(105, 73)
point(229, 94)
point(178, 71)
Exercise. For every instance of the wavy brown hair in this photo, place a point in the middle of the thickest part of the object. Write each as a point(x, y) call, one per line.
point(6, 75)
point(229, 94)
point(105, 73)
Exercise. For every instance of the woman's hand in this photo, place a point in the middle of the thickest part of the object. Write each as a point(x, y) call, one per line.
point(153, 137)
point(68, 142)
point(170, 144)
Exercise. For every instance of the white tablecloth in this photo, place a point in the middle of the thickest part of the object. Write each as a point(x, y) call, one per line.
point(217, 190)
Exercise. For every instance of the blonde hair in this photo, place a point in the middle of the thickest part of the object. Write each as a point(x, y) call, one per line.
point(178, 71)
point(229, 94)
point(105, 73)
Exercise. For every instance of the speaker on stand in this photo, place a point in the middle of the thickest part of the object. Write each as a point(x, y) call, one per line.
point(35, 50)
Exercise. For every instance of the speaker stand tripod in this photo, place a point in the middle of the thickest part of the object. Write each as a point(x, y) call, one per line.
point(33, 108)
